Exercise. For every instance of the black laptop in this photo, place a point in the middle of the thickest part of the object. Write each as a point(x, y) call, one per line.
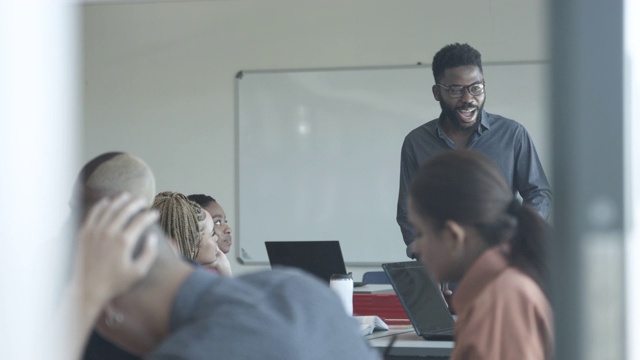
point(421, 299)
point(320, 258)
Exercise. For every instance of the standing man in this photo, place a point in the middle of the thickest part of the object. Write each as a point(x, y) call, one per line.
point(463, 124)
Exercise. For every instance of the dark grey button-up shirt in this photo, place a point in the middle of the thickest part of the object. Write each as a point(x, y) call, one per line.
point(504, 140)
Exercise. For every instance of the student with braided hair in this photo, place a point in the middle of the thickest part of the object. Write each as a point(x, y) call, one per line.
point(175, 310)
point(471, 230)
point(192, 230)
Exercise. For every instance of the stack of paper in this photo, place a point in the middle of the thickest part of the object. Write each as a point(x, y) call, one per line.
point(371, 323)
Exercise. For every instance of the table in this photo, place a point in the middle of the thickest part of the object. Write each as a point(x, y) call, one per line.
point(374, 289)
point(408, 345)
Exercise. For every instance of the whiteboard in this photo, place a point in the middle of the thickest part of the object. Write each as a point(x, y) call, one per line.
point(319, 150)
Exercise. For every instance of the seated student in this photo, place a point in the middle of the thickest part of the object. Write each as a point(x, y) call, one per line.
point(192, 230)
point(108, 175)
point(177, 311)
point(471, 230)
point(222, 228)
point(107, 262)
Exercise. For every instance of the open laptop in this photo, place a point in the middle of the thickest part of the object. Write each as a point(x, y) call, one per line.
point(421, 299)
point(320, 258)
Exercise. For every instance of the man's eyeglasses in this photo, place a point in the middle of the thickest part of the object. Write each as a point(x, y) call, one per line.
point(457, 91)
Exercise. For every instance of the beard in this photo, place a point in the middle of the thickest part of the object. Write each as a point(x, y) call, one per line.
point(452, 115)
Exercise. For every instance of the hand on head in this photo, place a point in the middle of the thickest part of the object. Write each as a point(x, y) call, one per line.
point(105, 265)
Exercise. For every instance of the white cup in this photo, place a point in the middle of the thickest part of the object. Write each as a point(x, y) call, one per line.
point(342, 284)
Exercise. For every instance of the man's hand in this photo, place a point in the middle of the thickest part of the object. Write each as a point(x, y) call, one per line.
point(105, 266)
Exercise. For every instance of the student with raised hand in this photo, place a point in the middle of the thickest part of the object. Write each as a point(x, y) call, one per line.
point(192, 230)
point(106, 176)
point(107, 261)
point(220, 222)
point(178, 311)
point(471, 230)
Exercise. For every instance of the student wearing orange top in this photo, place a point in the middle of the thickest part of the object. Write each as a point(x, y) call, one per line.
point(471, 230)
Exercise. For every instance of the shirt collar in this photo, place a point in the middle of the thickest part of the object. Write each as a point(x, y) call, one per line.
point(486, 268)
point(484, 122)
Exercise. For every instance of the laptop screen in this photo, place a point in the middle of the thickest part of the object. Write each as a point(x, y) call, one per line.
point(421, 298)
point(320, 258)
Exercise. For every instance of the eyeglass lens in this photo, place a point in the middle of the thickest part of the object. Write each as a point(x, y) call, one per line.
point(458, 91)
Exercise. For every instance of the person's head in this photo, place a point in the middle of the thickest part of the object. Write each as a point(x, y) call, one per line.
point(188, 225)
point(109, 174)
point(459, 85)
point(222, 228)
point(460, 205)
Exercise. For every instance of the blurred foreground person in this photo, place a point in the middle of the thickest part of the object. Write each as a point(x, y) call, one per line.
point(179, 311)
point(471, 230)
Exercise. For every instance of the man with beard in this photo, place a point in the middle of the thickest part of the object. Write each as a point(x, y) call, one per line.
point(463, 124)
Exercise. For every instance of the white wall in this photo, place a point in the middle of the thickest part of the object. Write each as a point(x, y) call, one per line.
point(159, 77)
point(38, 108)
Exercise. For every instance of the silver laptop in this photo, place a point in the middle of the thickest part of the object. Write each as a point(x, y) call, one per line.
point(421, 299)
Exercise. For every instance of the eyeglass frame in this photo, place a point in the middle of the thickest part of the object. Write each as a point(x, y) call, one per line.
point(466, 88)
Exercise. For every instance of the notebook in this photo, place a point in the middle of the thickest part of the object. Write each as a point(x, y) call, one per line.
point(320, 258)
point(421, 299)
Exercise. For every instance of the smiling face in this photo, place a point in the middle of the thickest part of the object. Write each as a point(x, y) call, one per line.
point(462, 114)
point(208, 249)
point(221, 224)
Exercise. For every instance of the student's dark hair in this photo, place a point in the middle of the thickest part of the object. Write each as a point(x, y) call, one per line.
point(467, 187)
point(454, 55)
point(201, 199)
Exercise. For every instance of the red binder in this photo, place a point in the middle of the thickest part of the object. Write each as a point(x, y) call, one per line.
point(385, 306)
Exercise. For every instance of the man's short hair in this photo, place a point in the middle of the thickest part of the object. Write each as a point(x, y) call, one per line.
point(108, 175)
point(454, 55)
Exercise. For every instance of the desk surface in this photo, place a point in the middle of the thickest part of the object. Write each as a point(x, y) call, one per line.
point(408, 343)
point(374, 289)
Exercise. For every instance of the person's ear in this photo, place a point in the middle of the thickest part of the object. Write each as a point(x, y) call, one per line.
point(436, 92)
point(412, 249)
point(456, 234)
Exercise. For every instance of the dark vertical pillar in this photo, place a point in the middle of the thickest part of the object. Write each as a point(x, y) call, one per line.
point(587, 124)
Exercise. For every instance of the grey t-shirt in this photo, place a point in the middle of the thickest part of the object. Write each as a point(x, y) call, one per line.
point(277, 314)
